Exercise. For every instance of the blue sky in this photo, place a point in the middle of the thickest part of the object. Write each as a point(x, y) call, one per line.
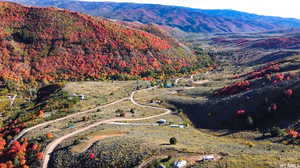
point(283, 8)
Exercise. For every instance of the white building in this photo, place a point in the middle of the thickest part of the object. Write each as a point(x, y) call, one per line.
point(208, 157)
point(180, 164)
point(177, 126)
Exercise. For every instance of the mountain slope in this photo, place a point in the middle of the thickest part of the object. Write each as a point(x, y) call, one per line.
point(187, 19)
point(53, 44)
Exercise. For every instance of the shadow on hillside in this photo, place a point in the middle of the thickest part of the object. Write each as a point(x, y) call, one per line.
point(219, 113)
point(275, 56)
point(229, 133)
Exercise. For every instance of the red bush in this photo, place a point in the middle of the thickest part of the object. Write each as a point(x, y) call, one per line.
point(240, 112)
point(267, 70)
point(92, 156)
point(274, 107)
point(279, 77)
point(289, 92)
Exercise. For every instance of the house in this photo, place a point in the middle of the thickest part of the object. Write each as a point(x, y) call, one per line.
point(162, 121)
point(180, 164)
point(177, 126)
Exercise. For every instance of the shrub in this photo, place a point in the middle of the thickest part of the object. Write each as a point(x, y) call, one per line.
point(119, 111)
point(132, 111)
point(173, 141)
point(76, 142)
point(276, 131)
point(4, 91)
point(85, 118)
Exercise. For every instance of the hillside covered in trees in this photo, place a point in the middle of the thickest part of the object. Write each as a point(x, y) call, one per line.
point(51, 44)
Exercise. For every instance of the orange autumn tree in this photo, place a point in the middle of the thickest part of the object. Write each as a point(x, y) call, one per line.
point(2, 144)
point(50, 135)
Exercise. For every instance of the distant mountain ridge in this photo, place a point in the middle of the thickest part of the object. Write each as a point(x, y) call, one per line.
point(186, 19)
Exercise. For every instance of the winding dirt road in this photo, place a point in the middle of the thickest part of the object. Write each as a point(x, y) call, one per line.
point(23, 132)
point(50, 147)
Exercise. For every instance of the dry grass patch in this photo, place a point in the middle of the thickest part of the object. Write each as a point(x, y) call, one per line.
point(94, 137)
point(99, 93)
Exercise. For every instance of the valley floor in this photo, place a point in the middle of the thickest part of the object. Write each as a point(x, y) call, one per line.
point(236, 150)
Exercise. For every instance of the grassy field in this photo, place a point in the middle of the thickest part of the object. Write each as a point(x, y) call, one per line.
point(99, 93)
point(89, 140)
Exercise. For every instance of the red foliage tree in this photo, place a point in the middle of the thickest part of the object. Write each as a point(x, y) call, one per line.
point(234, 88)
point(293, 133)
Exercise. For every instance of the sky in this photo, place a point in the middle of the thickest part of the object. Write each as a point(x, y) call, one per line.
point(283, 8)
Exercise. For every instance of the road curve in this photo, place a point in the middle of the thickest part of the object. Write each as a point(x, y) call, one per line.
point(23, 132)
point(178, 79)
point(50, 147)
